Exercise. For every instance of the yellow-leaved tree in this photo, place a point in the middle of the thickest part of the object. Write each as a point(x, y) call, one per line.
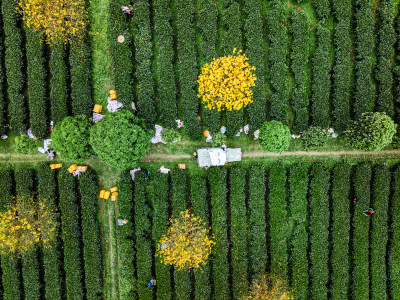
point(226, 82)
point(269, 288)
point(59, 20)
point(26, 224)
point(187, 244)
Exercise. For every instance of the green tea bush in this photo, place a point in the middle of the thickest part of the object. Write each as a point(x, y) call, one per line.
point(219, 139)
point(170, 135)
point(274, 136)
point(25, 145)
point(315, 137)
point(394, 249)
point(371, 132)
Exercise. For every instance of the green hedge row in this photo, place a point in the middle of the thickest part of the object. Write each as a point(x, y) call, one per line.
point(394, 249)
point(230, 20)
point(51, 256)
point(11, 274)
point(187, 67)
point(143, 56)
point(81, 79)
point(143, 233)
point(277, 216)
point(121, 53)
point(385, 57)
point(179, 182)
point(30, 260)
point(199, 200)
point(277, 57)
point(360, 276)
point(239, 232)
point(70, 234)
point(321, 83)
point(88, 189)
point(342, 69)
point(298, 188)
point(340, 258)
point(125, 237)
point(220, 266)
point(253, 34)
point(379, 233)
point(36, 80)
point(58, 83)
point(160, 194)
point(3, 104)
point(322, 8)
point(300, 30)
point(164, 62)
point(319, 231)
point(257, 223)
point(364, 84)
point(207, 17)
point(13, 66)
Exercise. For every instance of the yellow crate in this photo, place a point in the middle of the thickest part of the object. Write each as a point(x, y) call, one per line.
point(114, 189)
point(106, 195)
point(53, 166)
point(97, 108)
point(58, 166)
point(114, 196)
point(113, 94)
point(182, 166)
point(72, 168)
point(102, 192)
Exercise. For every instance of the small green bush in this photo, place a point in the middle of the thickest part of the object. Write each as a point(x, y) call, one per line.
point(315, 137)
point(371, 132)
point(170, 135)
point(25, 145)
point(274, 136)
point(219, 139)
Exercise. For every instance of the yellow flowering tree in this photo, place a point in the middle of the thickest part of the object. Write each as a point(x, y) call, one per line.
point(59, 20)
point(226, 82)
point(25, 224)
point(187, 244)
point(265, 288)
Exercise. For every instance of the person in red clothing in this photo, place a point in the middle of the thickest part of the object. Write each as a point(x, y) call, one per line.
point(368, 212)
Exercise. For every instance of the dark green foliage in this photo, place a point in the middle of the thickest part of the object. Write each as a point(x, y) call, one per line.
point(25, 145)
point(315, 137)
point(200, 208)
point(340, 231)
point(277, 216)
point(143, 233)
point(239, 232)
point(71, 235)
point(14, 65)
point(120, 140)
point(36, 80)
point(360, 253)
point(300, 30)
point(220, 266)
point(125, 236)
point(88, 188)
point(394, 249)
point(71, 138)
point(219, 139)
point(371, 132)
point(51, 256)
point(342, 69)
point(321, 84)
point(257, 224)
point(170, 135)
point(160, 188)
point(187, 67)
point(207, 18)
point(143, 56)
point(385, 54)
point(364, 84)
point(298, 201)
point(274, 136)
point(164, 56)
point(253, 33)
point(319, 225)
point(277, 56)
point(81, 81)
point(322, 8)
point(58, 83)
point(379, 234)
point(3, 102)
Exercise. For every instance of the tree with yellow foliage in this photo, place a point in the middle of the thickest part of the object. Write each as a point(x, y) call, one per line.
point(25, 224)
point(266, 288)
point(59, 20)
point(187, 244)
point(226, 82)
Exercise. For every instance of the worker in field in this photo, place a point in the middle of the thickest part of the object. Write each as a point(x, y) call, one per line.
point(195, 156)
point(150, 284)
point(122, 222)
point(127, 9)
point(368, 212)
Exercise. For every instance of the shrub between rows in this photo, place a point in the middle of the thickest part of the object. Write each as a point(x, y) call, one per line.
point(322, 8)
point(394, 249)
point(179, 189)
point(298, 179)
point(220, 265)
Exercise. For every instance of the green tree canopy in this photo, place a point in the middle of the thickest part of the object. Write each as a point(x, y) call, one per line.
point(371, 132)
point(274, 136)
point(120, 140)
point(70, 137)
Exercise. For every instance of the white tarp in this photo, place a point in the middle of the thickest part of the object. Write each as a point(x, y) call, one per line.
point(218, 157)
point(209, 157)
